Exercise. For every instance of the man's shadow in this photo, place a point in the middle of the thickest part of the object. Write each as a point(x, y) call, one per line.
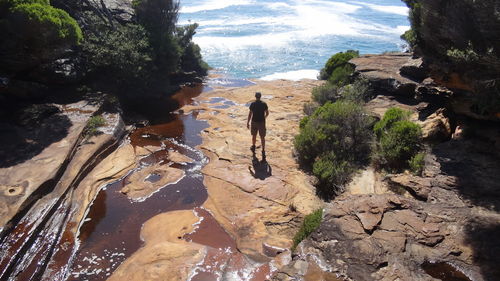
point(261, 169)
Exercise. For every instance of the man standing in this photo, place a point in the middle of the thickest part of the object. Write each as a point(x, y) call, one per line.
point(258, 114)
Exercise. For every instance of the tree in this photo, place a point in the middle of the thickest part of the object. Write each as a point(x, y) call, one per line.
point(34, 32)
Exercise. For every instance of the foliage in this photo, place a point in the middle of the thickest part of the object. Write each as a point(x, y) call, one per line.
point(416, 163)
point(325, 93)
point(467, 55)
point(332, 173)
point(337, 69)
point(337, 132)
point(172, 46)
point(399, 144)
point(191, 59)
point(120, 51)
point(410, 37)
point(311, 223)
point(35, 30)
point(359, 91)
point(159, 18)
point(92, 125)
point(391, 116)
point(310, 107)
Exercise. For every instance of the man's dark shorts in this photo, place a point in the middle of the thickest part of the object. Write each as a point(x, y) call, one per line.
point(258, 127)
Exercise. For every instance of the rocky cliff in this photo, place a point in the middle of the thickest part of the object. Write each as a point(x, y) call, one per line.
point(458, 41)
point(415, 227)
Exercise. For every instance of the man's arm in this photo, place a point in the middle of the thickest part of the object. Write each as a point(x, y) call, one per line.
point(249, 117)
point(266, 113)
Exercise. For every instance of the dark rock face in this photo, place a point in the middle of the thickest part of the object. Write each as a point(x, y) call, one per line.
point(459, 42)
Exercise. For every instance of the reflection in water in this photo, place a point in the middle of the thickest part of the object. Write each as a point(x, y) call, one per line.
point(112, 230)
point(444, 271)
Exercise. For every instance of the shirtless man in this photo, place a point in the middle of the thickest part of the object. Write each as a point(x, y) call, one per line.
point(258, 114)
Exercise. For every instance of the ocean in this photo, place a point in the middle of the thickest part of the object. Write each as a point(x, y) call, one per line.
point(290, 39)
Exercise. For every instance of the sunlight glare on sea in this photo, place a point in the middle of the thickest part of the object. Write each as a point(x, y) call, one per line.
point(290, 39)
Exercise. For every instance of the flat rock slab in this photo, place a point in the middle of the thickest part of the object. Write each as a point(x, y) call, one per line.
point(258, 200)
point(164, 256)
point(20, 181)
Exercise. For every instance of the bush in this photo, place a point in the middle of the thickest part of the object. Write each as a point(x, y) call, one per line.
point(92, 125)
point(325, 93)
point(416, 163)
point(338, 132)
point(310, 107)
point(400, 143)
point(33, 31)
point(311, 223)
point(467, 55)
point(332, 174)
point(410, 37)
point(358, 92)
point(120, 51)
point(391, 116)
point(338, 69)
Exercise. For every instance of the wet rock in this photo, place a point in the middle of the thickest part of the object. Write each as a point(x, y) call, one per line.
point(164, 256)
point(145, 182)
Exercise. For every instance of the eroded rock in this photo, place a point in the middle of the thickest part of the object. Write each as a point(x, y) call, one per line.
point(165, 256)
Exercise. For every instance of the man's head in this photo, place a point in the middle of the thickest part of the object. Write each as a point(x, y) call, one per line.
point(258, 95)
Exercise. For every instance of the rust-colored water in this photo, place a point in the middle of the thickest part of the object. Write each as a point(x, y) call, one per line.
point(111, 231)
point(444, 271)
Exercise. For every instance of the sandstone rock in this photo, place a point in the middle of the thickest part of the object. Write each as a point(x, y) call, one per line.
point(149, 180)
point(258, 201)
point(165, 256)
point(383, 71)
point(417, 186)
point(436, 127)
point(45, 165)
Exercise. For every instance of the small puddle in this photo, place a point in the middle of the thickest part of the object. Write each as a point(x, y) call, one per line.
point(444, 271)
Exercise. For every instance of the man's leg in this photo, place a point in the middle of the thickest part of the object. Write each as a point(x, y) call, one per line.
point(253, 131)
point(262, 134)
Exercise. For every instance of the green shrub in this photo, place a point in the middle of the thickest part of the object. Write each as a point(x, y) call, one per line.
point(310, 107)
point(338, 132)
point(332, 173)
point(311, 223)
point(191, 59)
point(391, 116)
point(359, 91)
point(337, 69)
point(45, 25)
point(325, 93)
point(467, 55)
point(400, 143)
point(410, 37)
point(120, 51)
point(92, 125)
point(342, 75)
point(34, 32)
point(416, 163)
